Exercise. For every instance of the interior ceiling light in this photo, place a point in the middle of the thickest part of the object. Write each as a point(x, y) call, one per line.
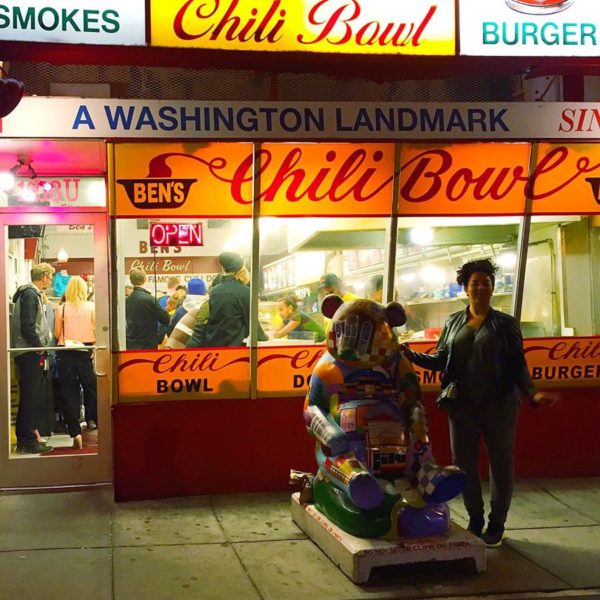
point(7, 181)
point(421, 236)
point(27, 195)
point(25, 192)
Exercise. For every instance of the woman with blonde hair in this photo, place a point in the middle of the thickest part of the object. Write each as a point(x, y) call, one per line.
point(75, 327)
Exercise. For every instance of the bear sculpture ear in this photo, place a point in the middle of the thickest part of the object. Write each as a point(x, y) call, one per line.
point(395, 314)
point(330, 304)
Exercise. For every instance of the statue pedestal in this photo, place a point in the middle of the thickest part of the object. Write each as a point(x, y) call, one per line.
point(357, 556)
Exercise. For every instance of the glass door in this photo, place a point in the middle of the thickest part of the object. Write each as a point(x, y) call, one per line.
point(54, 348)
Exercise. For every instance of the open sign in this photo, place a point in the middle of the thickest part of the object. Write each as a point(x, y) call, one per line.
point(176, 234)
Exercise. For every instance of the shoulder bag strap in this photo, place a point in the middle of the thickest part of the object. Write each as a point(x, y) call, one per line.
point(64, 335)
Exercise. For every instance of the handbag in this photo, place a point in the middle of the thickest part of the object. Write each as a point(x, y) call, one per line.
point(448, 394)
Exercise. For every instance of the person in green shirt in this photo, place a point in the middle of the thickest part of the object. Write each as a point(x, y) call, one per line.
point(296, 320)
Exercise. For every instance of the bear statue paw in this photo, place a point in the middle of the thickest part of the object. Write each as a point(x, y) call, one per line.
point(365, 492)
point(433, 519)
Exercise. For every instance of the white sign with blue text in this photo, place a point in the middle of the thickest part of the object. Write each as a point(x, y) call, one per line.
point(67, 22)
point(53, 117)
point(529, 27)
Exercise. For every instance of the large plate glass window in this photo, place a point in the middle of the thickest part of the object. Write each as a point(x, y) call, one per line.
point(562, 284)
point(431, 250)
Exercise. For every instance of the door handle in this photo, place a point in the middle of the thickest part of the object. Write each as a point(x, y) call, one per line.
point(95, 361)
point(93, 349)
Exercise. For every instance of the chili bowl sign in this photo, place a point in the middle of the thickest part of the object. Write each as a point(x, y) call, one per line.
point(529, 27)
point(67, 22)
point(425, 27)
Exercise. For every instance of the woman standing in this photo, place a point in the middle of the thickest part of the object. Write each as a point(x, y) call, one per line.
point(75, 327)
point(480, 352)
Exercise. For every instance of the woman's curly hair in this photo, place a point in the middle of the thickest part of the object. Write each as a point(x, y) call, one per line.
point(484, 265)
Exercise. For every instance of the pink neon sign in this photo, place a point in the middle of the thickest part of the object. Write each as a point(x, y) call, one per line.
point(176, 234)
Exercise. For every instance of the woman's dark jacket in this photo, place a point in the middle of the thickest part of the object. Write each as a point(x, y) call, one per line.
point(511, 373)
point(229, 321)
point(143, 314)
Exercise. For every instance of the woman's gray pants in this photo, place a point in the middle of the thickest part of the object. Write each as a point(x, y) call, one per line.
point(496, 422)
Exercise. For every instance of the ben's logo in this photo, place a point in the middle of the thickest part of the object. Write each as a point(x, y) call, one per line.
point(159, 189)
point(539, 7)
point(157, 193)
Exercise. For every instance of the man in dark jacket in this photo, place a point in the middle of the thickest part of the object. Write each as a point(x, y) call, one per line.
point(229, 305)
point(30, 329)
point(143, 315)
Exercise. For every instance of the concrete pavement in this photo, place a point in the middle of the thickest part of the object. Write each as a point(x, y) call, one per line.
point(83, 545)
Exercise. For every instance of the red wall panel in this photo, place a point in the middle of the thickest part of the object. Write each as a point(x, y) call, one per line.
point(228, 446)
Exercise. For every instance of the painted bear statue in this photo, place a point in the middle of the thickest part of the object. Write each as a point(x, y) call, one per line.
point(377, 477)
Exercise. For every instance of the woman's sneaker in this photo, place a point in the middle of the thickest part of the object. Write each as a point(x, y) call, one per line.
point(493, 536)
point(475, 525)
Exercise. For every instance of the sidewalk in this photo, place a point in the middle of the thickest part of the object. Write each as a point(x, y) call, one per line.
point(80, 545)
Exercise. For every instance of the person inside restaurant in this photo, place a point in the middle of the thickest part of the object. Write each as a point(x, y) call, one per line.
point(143, 314)
point(375, 288)
point(229, 305)
point(330, 283)
point(296, 323)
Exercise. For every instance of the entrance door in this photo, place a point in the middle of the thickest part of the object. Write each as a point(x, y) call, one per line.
point(53, 393)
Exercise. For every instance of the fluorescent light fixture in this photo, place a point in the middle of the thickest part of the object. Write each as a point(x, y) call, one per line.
point(507, 260)
point(97, 193)
point(7, 181)
point(268, 225)
point(421, 236)
point(62, 256)
point(27, 195)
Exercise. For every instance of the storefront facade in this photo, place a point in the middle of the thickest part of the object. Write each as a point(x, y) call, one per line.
point(296, 208)
point(389, 197)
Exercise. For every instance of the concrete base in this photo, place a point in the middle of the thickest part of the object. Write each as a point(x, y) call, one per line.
point(357, 556)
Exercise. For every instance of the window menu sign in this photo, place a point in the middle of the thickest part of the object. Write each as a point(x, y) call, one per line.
point(67, 22)
point(422, 27)
point(529, 27)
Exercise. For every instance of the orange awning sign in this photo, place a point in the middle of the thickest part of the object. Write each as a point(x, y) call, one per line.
point(357, 179)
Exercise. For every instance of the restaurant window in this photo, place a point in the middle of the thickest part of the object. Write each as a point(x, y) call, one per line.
point(194, 362)
point(301, 260)
point(189, 257)
point(431, 250)
point(562, 285)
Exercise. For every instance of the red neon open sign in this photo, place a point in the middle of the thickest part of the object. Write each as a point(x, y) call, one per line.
point(176, 234)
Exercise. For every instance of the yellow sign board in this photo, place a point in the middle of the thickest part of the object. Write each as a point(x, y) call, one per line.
point(419, 27)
